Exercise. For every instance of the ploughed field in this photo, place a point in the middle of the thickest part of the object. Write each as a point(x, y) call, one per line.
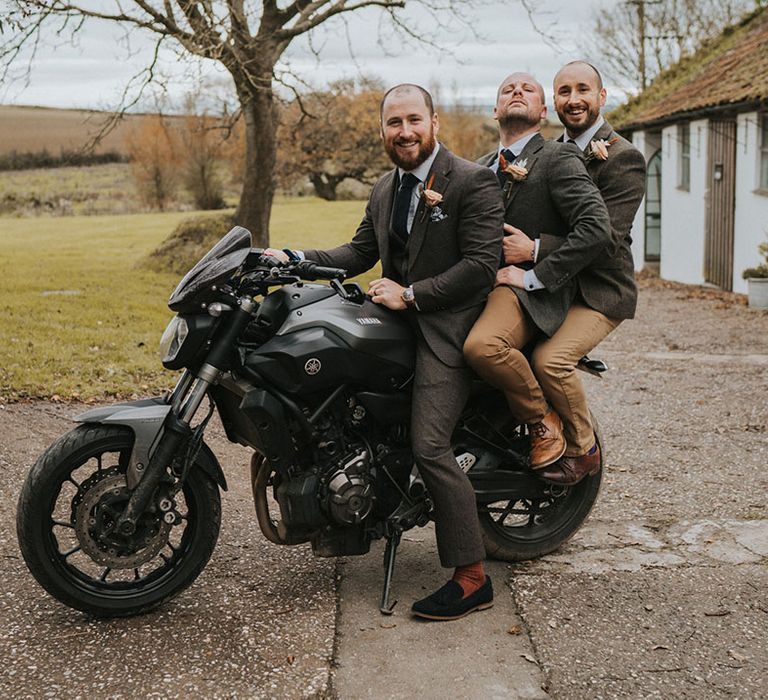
point(80, 318)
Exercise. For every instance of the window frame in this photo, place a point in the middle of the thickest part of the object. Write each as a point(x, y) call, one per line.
point(684, 156)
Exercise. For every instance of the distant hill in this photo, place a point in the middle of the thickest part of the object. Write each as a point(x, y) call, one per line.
point(33, 129)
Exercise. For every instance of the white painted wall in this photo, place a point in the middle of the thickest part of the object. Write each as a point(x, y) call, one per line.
point(751, 216)
point(683, 212)
point(638, 227)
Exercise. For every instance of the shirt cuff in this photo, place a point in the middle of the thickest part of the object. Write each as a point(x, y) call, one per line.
point(531, 282)
point(536, 246)
point(300, 253)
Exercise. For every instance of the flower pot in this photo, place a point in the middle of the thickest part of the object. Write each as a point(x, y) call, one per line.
point(757, 289)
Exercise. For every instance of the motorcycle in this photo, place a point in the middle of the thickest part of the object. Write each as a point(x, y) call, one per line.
point(123, 512)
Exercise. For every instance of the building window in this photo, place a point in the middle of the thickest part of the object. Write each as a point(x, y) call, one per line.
point(763, 177)
point(684, 156)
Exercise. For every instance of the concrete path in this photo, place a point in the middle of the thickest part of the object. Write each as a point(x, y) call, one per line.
point(485, 655)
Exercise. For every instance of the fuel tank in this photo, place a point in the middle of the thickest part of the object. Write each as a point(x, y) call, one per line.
point(321, 340)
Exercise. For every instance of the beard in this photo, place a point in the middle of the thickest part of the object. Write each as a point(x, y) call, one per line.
point(578, 125)
point(515, 120)
point(408, 163)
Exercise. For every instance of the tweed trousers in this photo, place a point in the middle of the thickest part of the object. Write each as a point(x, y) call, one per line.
point(439, 395)
point(494, 349)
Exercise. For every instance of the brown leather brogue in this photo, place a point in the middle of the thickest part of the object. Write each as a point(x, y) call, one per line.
point(547, 441)
point(569, 471)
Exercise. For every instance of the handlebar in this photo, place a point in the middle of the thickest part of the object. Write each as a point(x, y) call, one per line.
point(308, 270)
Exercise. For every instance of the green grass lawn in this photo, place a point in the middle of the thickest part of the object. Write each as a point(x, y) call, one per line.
point(80, 320)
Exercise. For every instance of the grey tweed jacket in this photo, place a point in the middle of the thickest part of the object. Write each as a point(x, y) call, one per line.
point(607, 284)
point(559, 200)
point(452, 252)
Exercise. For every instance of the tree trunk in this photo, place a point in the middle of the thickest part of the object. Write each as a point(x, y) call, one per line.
point(255, 206)
point(325, 185)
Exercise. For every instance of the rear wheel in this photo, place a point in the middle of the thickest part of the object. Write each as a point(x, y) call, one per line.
point(522, 529)
point(69, 502)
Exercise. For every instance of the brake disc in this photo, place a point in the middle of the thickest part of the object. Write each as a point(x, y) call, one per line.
point(100, 501)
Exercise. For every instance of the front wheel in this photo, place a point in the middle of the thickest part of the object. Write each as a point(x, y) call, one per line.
point(522, 529)
point(72, 496)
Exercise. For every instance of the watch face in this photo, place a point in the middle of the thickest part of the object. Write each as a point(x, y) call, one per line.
point(407, 294)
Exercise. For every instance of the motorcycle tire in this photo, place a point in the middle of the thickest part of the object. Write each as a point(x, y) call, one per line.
point(81, 478)
point(525, 529)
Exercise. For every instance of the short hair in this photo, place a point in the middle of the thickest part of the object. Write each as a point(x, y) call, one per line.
point(589, 65)
point(408, 87)
point(538, 85)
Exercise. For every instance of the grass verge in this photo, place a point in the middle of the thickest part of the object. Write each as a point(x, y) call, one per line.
point(80, 321)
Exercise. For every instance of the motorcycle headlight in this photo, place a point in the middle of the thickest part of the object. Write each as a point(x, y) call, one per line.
point(173, 338)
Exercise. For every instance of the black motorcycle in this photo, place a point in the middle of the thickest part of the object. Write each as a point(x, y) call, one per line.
point(123, 512)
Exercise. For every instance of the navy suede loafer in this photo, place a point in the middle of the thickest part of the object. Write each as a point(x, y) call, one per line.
point(447, 603)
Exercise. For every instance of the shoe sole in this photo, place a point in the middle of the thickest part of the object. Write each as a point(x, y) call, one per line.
point(481, 606)
point(571, 483)
point(536, 467)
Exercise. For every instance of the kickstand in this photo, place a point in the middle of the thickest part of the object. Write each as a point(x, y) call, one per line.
point(389, 566)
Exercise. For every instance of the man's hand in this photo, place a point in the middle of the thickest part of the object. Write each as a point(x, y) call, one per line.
point(387, 293)
point(510, 275)
point(275, 253)
point(517, 246)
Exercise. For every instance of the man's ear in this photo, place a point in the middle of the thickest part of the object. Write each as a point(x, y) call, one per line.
point(603, 95)
point(435, 123)
point(543, 113)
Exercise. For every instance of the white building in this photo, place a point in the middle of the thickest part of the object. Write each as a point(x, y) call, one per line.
point(703, 127)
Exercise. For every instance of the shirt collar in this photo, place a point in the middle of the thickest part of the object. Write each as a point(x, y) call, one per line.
point(422, 170)
point(518, 146)
point(582, 140)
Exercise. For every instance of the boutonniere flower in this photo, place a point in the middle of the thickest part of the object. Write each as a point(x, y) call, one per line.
point(430, 197)
point(515, 170)
point(432, 201)
point(598, 149)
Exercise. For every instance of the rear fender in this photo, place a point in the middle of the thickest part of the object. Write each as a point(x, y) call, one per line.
point(145, 418)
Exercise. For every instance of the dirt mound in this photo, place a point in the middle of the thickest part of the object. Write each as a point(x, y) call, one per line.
point(190, 240)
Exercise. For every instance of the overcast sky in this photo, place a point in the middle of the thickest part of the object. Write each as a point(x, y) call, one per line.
point(94, 73)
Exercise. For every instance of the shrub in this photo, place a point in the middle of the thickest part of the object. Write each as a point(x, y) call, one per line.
point(190, 240)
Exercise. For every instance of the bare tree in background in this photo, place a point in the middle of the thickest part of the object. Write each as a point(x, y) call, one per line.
point(634, 40)
point(246, 37)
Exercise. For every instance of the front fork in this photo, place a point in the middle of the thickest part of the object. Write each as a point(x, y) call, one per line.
point(185, 401)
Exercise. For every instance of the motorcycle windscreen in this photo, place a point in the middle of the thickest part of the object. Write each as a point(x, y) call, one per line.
point(216, 265)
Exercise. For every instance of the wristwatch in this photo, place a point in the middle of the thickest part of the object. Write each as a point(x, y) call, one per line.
point(408, 297)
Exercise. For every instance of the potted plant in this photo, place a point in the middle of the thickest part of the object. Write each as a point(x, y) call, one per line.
point(757, 280)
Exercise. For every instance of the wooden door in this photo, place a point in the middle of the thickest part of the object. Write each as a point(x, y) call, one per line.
point(721, 193)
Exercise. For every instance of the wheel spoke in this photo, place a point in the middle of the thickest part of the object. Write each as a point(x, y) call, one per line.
point(70, 479)
point(64, 523)
point(136, 576)
point(99, 462)
point(104, 574)
point(72, 551)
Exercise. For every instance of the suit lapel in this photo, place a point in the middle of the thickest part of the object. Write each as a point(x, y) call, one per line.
point(438, 181)
point(529, 154)
point(384, 232)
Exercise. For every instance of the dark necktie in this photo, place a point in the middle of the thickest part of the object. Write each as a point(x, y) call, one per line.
point(403, 204)
point(510, 158)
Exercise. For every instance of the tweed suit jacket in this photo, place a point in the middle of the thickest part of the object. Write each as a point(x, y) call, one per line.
point(558, 198)
point(607, 284)
point(452, 251)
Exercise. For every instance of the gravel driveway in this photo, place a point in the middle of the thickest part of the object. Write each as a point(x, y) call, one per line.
point(662, 593)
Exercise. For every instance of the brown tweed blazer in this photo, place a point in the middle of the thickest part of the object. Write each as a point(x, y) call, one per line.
point(557, 199)
point(451, 256)
point(607, 284)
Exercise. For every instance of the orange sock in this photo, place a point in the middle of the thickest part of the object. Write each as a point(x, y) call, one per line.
point(470, 577)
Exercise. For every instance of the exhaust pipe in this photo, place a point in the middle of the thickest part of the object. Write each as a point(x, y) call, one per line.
point(275, 532)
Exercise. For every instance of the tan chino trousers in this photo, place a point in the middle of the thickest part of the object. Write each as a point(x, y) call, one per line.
point(493, 350)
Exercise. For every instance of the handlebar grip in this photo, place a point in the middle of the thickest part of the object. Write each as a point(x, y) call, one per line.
point(312, 271)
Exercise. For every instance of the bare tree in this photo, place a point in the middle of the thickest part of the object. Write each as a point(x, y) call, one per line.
point(246, 37)
point(637, 39)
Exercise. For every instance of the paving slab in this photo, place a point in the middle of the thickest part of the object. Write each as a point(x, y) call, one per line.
point(484, 655)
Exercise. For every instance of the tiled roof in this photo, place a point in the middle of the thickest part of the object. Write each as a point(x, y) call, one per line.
point(731, 69)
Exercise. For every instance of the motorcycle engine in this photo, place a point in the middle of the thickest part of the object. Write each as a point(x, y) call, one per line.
point(349, 496)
